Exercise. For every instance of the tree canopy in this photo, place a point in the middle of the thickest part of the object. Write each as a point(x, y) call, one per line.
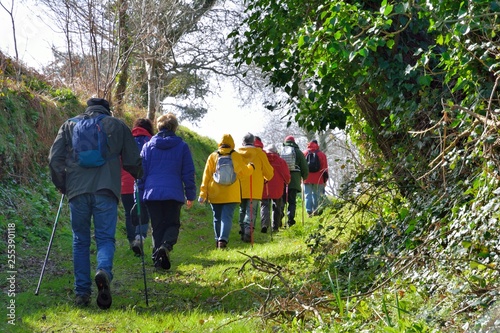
point(381, 69)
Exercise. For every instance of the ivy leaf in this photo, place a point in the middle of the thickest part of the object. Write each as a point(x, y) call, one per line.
point(424, 80)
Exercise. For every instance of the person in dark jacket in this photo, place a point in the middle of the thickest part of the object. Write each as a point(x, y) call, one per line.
point(142, 132)
point(299, 172)
point(314, 185)
point(94, 192)
point(169, 182)
point(272, 196)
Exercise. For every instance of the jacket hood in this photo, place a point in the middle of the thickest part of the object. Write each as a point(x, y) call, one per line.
point(291, 143)
point(248, 152)
point(312, 146)
point(140, 131)
point(165, 140)
point(271, 156)
point(226, 144)
point(97, 109)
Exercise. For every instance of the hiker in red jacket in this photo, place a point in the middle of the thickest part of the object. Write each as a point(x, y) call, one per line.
point(273, 191)
point(142, 132)
point(314, 185)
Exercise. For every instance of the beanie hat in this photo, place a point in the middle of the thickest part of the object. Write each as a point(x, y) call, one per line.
point(98, 101)
point(258, 143)
point(290, 138)
point(248, 139)
point(272, 149)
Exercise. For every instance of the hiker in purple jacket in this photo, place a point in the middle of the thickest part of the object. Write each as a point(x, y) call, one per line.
point(169, 182)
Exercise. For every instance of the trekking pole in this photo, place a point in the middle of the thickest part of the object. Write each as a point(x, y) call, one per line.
point(271, 217)
point(142, 243)
point(285, 213)
point(270, 204)
point(251, 213)
point(50, 245)
point(303, 190)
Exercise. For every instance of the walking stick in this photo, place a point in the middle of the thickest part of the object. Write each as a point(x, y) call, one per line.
point(303, 190)
point(50, 245)
point(142, 245)
point(271, 217)
point(251, 213)
point(270, 204)
point(285, 213)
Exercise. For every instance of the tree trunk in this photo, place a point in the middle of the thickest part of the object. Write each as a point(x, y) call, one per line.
point(124, 49)
point(152, 86)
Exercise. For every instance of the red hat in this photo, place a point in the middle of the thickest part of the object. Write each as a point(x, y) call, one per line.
point(258, 143)
point(290, 138)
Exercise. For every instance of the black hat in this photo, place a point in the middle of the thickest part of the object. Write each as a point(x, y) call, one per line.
point(98, 101)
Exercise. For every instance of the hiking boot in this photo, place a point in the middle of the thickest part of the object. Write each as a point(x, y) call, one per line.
point(82, 300)
point(263, 230)
point(246, 237)
point(163, 258)
point(103, 291)
point(222, 244)
point(290, 223)
point(137, 246)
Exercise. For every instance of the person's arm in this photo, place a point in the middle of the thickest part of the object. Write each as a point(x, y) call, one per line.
point(130, 154)
point(57, 159)
point(188, 175)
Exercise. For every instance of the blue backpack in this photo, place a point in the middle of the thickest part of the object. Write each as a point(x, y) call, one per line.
point(89, 141)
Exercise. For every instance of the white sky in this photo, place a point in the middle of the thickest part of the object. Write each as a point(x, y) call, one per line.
point(34, 41)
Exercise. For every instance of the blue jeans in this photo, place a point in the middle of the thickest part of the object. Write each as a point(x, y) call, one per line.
point(104, 210)
point(312, 193)
point(128, 202)
point(223, 220)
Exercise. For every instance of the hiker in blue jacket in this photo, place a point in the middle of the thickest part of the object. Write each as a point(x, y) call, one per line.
point(169, 182)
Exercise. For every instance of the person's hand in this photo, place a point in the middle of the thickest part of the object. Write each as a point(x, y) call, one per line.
point(201, 200)
point(189, 204)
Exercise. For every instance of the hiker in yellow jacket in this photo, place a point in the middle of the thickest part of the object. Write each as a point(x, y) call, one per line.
point(252, 186)
point(223, 198)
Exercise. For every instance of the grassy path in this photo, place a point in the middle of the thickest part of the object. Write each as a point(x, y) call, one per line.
point(205, 290)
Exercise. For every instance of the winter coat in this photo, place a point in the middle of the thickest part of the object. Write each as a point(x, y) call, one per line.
point(220, 194)
point(252, 187)
point(141, 136)
point(169, 172)
point(320, 176)
point(303, 169)
point(73, 180)
point(273, 189)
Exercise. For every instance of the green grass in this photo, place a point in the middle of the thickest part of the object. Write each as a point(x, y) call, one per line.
point(205, 290)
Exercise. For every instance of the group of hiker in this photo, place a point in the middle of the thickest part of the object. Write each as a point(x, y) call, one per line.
point(96, 161)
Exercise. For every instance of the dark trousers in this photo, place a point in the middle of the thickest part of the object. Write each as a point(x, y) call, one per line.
point(128, 202)
point(165, 223)
point(290, 203)
point(274, 207)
